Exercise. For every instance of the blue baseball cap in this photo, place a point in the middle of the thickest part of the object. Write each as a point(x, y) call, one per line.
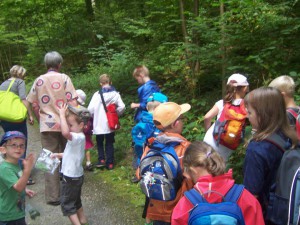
point(10, 135)
point(157, 96)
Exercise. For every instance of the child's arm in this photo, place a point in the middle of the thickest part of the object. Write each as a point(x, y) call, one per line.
point(135, 105)
point(63, 122)
point(28, 164)
point(57, 155)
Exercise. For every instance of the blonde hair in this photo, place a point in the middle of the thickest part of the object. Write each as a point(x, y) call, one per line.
point(141, 69)
point(269, 105)
point(17, 71)
point(152, 105)
point(104, 79)
point(200, 154)
point(285, 84)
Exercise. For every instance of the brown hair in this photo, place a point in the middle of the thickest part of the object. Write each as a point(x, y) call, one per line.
point(141, 69)
point(269, 105)
point(231, 91)
point(200, 154)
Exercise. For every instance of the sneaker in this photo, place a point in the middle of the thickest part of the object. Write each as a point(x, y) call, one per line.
point(89, 167)
point(134, 179)
point(110, 166)
point(100, 164)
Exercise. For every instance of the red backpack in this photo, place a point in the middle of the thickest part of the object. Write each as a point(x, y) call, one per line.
point(297, 118)
point(228, 130)
point(111, 114)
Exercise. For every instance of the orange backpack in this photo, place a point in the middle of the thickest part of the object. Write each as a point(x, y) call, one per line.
point(229, 128)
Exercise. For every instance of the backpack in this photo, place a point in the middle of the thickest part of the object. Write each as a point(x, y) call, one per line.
point(284, 203)
point(226, 212)
point(228, 130)
point(297, 118)
point(160, 172)
point(111, 114)
point(294, 201)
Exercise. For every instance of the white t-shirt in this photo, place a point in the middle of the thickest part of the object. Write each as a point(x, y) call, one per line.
point(209, 138)
point(73, 156)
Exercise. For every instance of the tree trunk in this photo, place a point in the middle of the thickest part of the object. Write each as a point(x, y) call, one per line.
point(89, 9)
point(223, 48)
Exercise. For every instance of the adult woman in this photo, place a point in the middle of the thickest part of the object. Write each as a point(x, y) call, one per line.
point(18, 87)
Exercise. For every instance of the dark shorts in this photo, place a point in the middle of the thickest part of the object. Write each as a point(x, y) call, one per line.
point(71, 195)
point(14, 222)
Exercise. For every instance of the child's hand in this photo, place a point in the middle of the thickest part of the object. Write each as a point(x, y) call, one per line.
point(30, 193)
point(62, 109)
point(29, 161)
point(134, 105)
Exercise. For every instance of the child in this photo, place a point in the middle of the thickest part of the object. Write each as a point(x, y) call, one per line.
point(87, 130)
point(72, 172)
point(13, 180)
point(168, 117)
point(100, 124)
point(148, 87)
point(207, 170)
point(286, 85)
point(145, 128)
point(236, 89)
point(266, 113)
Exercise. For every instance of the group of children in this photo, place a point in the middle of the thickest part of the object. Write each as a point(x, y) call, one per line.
point(203, 163)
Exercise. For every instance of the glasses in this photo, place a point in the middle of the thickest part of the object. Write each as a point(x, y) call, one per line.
point(15, 146)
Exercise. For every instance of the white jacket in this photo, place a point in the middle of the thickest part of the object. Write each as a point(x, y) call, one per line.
point(96, 108)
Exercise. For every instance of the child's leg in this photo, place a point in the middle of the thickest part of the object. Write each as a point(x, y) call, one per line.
point(88, 157)
point(109, 148)
point(100, 140)
point(74, 219)
point(81, 216)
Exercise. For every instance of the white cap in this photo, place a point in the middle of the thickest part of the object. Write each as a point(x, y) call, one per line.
point(238, 80)
point(81, 96)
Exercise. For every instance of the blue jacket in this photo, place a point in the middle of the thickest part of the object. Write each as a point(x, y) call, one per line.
point(261, 163)
point(144, 93)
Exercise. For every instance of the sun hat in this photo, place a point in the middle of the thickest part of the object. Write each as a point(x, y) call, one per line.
point(10, 135)
point(157, 96)
point(238, 80)
point(83, 113)
point(168, 112)
point(81, 96)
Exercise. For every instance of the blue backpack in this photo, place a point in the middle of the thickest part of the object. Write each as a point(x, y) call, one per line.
point(226, 212)
point(284, 203)
point(160, 172)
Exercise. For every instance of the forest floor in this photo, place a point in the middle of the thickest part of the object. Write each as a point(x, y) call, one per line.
point(100, 204)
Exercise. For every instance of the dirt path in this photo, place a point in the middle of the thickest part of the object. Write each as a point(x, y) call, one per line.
point(100, 206)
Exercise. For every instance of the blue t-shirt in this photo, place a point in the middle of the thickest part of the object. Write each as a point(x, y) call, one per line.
point(261, 163)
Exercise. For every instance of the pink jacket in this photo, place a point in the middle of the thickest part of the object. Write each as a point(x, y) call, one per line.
point(249, 205)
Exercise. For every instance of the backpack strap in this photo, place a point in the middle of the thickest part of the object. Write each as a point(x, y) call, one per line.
point(291, 111)
point(103, 102)
point(278, 141)
point(194, 197)
point(235, 192)
point(10, 84)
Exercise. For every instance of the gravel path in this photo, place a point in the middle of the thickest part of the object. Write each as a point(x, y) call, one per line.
point(100, 205)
